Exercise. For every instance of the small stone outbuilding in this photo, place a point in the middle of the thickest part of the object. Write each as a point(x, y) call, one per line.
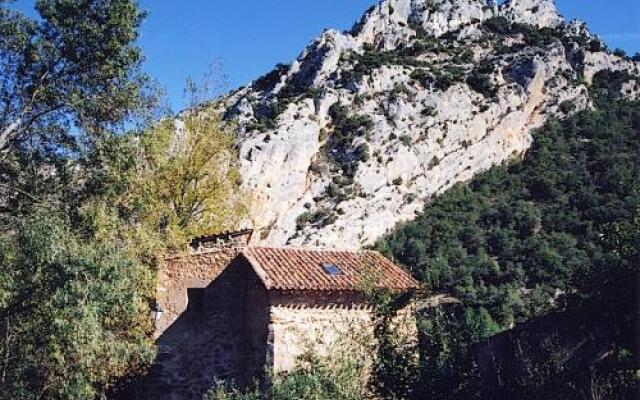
point(230, 311)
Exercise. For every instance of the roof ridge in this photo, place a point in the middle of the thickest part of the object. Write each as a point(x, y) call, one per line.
point(312, 248)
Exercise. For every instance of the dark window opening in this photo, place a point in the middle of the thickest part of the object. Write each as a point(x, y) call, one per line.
point(195, 299)
point(332, 269)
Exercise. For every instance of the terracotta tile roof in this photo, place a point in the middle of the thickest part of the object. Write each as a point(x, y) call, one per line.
point(305, 269)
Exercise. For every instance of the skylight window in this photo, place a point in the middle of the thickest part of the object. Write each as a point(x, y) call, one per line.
point(332, 269)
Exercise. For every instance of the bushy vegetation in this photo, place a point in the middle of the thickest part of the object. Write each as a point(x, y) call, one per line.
point(338, 376)
point(532, 224)
point(481, 80)
point(441, 78)
point(372, 59)
point(347, 128)
point(94, 191)
point(270, 80)
point(74, 313)
point(526, 239)
point(532, 35)
point(319, 218)
point(187, 185)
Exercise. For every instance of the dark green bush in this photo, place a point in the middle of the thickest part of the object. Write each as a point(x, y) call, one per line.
point(346, 128)
point(498, 25)
point(406, 140)
point(567, 106)
point(620, 53)
point(481, 81)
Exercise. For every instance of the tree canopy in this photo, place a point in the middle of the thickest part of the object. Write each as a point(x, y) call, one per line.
point(92, 195)
point(545, 234)
point(68, 78)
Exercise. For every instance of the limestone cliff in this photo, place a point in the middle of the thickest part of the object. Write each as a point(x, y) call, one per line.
point(366, 126)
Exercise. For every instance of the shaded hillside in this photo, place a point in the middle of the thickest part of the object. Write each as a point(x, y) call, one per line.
point(568, 355)
point(556, 231)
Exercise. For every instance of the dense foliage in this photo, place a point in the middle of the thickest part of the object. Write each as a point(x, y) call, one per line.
point(74, 314)
point(532, 225)
point(92, 194)
point(525, 239)
point(68, 78)
point(338, 376)
point(186, 184)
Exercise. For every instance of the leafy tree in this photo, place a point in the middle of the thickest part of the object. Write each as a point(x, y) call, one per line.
point(159, 188)
point(189, 183)
point(77, 65)
point(68, 78)
point(75, 318)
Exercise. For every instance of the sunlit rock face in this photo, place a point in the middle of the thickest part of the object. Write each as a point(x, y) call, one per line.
point(431, 92)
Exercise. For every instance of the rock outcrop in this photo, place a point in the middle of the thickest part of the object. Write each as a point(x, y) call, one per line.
point(366, 126)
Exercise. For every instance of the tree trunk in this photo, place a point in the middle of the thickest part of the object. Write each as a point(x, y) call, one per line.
point(8, 131)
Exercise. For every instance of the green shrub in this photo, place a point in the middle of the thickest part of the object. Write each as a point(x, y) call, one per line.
point(231, 392)
point(448, 76)
point(481, 80)
point(270, 80)
point(75, 313)
point(320, 218)
point(346, 128)
point(532, 35)
point(424, 77)
point(567, 106)
point(435, 161)
point(610, 82)
point(333, 190)
point(362, 152)
point(595, 46)
point(620, 53)
point(466, 56)
point(441, 78)
point(400, 89)
point(498, 25)
point(372, 58)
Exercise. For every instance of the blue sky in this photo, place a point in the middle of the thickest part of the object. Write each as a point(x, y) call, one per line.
point(181, 38)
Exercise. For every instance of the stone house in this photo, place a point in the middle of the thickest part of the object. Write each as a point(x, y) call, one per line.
point(228, 311)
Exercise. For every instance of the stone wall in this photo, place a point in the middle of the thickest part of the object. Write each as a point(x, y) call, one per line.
point(201, 333)
point(258, 351)
point(223, 241)
point(203, 345)
point(179, 274)
point(323, 323)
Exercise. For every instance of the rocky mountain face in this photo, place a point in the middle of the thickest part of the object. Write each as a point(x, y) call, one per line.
point(366, 126)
